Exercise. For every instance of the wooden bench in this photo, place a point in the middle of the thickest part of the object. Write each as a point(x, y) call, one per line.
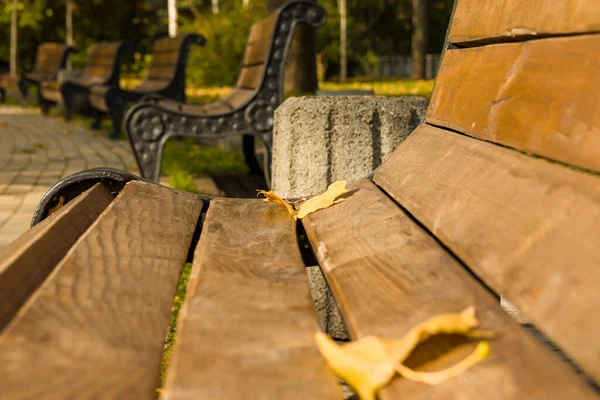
point(50, 59)
point(166, 77)
point(496, 193)
point(103, 67)
point(248, 110)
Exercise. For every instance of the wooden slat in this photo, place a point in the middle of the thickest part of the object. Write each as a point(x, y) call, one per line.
point(539, 96)
point(388, 275)
point(263, 28)
point(97, 326)
point(215, 108)
point(476, 20)
point(26, 263)
point(251, 77)
point(49, 56)
point(245, 330)
point(238, 97)
point(257, 52)
point(527, 227)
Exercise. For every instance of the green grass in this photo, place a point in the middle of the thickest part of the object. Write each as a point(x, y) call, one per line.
point(184, 159)
point(170, 340)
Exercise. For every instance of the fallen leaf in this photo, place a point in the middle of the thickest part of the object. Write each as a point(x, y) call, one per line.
point(364, 364)
point(324, 200)
point(327, 199)
point(433, 378)
point(58, 206)
point(371, 362)
point(271, 197)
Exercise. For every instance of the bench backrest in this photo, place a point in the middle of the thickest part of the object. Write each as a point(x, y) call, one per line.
point(51, 57)
point(104, 63)
point(261, 75)
point(166, 71)
point(504, 171)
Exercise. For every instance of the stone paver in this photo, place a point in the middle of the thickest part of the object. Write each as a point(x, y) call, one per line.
point(36, 152)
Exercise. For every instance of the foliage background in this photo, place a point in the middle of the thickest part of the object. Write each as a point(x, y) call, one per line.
point(376, 28)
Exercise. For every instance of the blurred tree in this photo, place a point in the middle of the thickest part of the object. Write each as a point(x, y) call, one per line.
point(419, 38)
point(301, 63)
point(13, 38)
point(343, 41)
point(69, 28)
point(377, 28)
point(172, 11)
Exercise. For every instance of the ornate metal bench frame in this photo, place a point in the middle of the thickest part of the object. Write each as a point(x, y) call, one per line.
point(28, 79)
point(149, 126)
point(69, 89)
point(116, 98)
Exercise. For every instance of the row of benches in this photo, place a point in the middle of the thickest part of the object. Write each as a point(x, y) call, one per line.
point(496, 192)
point(161, 112)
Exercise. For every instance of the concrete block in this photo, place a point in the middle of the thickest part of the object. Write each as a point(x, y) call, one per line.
point(318, 140)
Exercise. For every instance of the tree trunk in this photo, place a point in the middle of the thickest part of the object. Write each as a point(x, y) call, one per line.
point(13, 39)
point(246, 4)
point(343, 39)
point(301, 63)
point(419, 38)
point(69, 27)
point(172, 11)
point(215, 6)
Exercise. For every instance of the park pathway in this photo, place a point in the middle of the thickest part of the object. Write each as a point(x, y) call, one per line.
point(36, 152)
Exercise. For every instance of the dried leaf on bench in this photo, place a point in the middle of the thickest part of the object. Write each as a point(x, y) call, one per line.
point(271, 197)
point(370, 363)
point(324, 200)
point(363, 364)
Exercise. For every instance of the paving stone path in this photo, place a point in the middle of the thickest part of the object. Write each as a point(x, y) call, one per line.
point(36, 152)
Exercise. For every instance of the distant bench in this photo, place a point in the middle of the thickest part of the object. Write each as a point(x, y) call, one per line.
point(103, 67)
point(166, 78)
point(496, 193)
point(50, 59)
point(248, 110)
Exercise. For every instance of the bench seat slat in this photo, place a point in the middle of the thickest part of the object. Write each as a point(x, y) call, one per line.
point(246, 328)
point(96, 328)
point(26, 263)
point(475, 20)
point(251, 77)
point(527, 227)
point(539, 96)
point(388, 275)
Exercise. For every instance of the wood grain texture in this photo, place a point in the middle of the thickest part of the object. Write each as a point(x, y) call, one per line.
point(540, 96)
point(263, 29)
point(246, 328)
point(251, 77)
point(96, 328)
point(527, 227)
point(476, 20)
point(257, 52)
point(238, 97)
point(26, 263)
point(388, 275)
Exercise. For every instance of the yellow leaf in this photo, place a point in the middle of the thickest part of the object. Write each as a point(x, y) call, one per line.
point(327, 199)
point(370, 363)
point(316, 203)
point(433, 378)
point(363, 364)
point(271, 197)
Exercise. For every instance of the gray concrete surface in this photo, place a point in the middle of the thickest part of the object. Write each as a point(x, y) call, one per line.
point(36, 152)
point(318, 140)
